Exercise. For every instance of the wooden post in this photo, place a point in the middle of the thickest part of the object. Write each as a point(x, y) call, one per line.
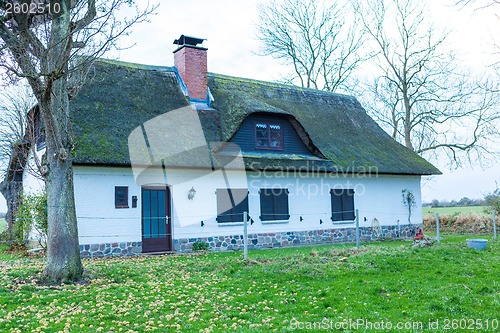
point(437, 229)
point(357, 229)
point(245, 235)
point(494, 226)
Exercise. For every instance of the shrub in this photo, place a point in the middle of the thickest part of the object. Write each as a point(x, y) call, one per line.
point(200, 246)
point(32, 216)
point(469, 223)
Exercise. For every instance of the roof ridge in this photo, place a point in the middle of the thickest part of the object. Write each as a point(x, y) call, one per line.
point(279, 85)
point(135, 65)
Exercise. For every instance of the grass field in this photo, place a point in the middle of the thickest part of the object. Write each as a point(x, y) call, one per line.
point(296, 289)
point(453, 210)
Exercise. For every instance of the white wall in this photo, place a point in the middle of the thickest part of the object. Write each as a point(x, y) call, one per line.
point(99, 222)
point(98, 219)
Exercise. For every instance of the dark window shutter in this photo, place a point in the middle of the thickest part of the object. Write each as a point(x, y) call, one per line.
point(266, 205)
point(241, 200)
point(348, 205)
point(274, 204)
point(336, 196)
point(231, 203)
point(281, 205)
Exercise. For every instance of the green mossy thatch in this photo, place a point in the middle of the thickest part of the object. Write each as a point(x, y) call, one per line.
point(337, 124)
point(119, 97)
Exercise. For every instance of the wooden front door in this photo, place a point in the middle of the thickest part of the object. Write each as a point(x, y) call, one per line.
point(156, 219)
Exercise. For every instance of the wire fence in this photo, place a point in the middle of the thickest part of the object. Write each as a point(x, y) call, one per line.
point(202, 224)
point(467, 224)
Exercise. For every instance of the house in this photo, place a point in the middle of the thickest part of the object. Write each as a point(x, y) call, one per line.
point(168, 156)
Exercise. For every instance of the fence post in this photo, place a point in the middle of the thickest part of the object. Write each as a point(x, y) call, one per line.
point(357, 229)
point(437, 229)
point(494, 226)
point(245, 235)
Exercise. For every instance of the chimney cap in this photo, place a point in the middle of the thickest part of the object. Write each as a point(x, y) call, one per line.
point(188, 40)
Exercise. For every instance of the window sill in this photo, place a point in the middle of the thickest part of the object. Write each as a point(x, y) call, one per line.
point(121, 207)
point(229, 224)
point(275, 222)
point(343, 222)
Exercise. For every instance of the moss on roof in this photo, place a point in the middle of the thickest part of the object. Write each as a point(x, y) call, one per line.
point(119, 97)
point(337, 124)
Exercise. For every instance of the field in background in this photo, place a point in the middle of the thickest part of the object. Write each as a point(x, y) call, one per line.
point(454, 210)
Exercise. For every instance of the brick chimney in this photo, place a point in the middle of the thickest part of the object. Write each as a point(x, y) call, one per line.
point(190, 58)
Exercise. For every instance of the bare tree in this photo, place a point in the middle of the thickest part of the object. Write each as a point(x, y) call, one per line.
point(46, 42)
point(319, 41)
point(493, 8)
point(422, 96)
point(15, 104)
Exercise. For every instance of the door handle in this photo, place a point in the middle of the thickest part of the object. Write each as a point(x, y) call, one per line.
point(166, 219)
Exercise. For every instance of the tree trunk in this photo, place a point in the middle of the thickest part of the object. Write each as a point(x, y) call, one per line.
point(12, 191)
point(63, 251)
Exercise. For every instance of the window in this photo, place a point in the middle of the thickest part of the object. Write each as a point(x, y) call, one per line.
point(121, 197)
point(274, 204)
point(342, 204)
point(231, 203)
point(39, 131)
point(268, 136)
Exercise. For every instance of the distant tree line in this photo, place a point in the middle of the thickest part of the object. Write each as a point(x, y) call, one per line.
point(492, 199)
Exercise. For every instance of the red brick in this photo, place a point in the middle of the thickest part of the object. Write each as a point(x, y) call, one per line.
point(191, 62)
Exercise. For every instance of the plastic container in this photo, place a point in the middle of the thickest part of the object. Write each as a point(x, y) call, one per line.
point(478, 244)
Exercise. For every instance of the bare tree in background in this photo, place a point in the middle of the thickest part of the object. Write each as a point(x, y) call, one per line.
point(45, 42)
point(422, 96)
point(320, 41)
point(493, 8)
point(15, 104)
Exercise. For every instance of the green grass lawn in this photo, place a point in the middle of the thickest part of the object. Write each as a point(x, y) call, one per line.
point(453, 210)
point(276, 290)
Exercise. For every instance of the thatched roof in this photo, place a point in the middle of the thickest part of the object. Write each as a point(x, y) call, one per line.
point(120, 97)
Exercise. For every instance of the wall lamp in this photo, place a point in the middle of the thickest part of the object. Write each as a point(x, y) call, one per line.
point(191, 193)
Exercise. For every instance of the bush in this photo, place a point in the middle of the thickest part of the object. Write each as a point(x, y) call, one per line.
point(493, 201)
point(32, 216)
point(469, 223)
point(200, 246)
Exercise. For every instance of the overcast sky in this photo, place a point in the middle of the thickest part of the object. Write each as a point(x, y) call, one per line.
point(229, 27)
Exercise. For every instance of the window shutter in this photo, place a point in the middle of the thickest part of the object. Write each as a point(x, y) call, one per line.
point(274, 204)
point(281, 209)
point(336, 196)
point(231, 203)
point(266, 205)
point(348, 205)
point(241, 200)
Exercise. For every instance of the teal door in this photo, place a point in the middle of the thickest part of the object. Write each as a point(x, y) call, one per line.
point(156, 226)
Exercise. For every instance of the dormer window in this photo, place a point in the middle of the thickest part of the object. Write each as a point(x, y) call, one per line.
point(269, 135)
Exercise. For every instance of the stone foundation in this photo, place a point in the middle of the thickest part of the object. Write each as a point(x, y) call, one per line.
point(296, 238)
point(258, 241)
point(110, 249)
